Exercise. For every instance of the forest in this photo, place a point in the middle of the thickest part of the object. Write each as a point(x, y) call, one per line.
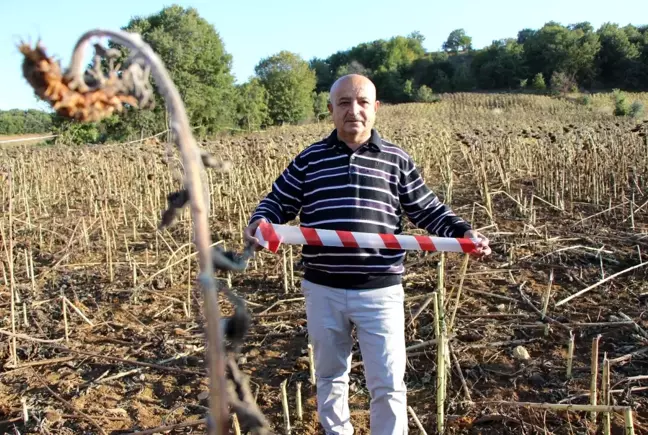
point(556, 59)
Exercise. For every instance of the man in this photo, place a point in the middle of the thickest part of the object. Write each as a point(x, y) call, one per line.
point(354, 180)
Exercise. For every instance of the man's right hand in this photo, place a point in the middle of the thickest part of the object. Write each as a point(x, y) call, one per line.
point(248, 234)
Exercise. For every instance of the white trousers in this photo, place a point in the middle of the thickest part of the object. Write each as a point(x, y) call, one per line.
point(378, 315)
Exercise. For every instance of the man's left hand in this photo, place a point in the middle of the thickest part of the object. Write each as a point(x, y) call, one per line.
point(482, 243)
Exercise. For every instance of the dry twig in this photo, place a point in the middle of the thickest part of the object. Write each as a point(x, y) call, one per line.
point(94, 96)
point(69, 405)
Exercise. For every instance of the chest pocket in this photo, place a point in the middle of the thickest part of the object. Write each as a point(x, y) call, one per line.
point(373, 180)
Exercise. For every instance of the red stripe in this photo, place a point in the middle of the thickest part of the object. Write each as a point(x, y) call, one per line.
point(390, 241)
point(348, 239)
point(425, 243)
point(467, 245)
point(270, 235)
point(311, 236)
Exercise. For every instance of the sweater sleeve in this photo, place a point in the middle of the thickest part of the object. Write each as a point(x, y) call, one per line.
point(283, 202)
point(424, 208)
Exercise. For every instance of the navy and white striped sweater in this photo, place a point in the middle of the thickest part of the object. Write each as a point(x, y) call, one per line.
point(331, 187)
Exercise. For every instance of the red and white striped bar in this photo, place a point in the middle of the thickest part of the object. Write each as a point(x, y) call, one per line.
point(271, 236)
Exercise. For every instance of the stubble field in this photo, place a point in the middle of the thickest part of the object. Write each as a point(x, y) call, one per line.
point(90, 288)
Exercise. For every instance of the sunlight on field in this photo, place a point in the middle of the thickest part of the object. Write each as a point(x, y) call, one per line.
point(559, 188)
point(22, 139)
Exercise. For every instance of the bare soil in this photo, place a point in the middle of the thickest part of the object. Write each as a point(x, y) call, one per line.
point(74, 386)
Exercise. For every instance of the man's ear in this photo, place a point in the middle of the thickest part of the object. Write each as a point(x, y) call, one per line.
point(377, 105)
point(330, 107)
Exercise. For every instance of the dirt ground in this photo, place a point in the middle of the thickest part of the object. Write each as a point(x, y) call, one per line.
point(146, 326)
point(92, 379)
point(27, 139)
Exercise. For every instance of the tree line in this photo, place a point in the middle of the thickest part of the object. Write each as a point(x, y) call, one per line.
point(16, 121)
point(287, 89)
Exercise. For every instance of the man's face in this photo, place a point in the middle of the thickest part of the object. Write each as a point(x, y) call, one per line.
point(353, 106)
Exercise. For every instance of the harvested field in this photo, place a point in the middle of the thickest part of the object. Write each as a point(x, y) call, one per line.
point(559, 188)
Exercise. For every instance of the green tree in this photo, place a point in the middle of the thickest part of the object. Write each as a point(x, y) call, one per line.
point(538, 82)
point(195, 57)
point(290, 83)
point(616, 56)
point(424, 95)
point(75, 133)
point(524, 34)
point(571, 50)
point(500, 65)
point(353, 67)
point(388, 62)
point(562, 83)
point(458, 41)
point(408, 89)
point(252, 105)
point(463, 79)
point(28, 121)
point(320, 105)
point(325, 76)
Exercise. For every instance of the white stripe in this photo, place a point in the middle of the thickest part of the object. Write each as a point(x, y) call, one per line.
point(384, 162)
point(267, 198)
point(290, 235)
point(349, 206)
point(427, 209)
point(349, 197)
point(359, 266)
point(284, 193)
point(376, 176)
point(330, 238)
point(357, 186)
point(420, 199)
point(336, 174)
point(408, 243)
point(448, 244)
point(259, 237)
point(315, 148)
point(326, 160)
point(411, 182)
point(410, 171)
point(369, 240)
point(293, 177)
point(389, 174)
point(439, 221)
point(399, 269)
point(375, 189)
point(327, 169)
point(363, 221)
point(283, 175)
point(354, 254)
point(270, 210)
point(413, 189)
point(391, 147)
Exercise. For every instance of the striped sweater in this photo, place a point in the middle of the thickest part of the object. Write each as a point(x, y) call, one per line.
point(329, 186)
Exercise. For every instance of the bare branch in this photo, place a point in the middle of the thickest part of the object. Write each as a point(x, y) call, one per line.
point(93, 96)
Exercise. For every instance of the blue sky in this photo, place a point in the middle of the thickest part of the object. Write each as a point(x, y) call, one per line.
point(252, 30)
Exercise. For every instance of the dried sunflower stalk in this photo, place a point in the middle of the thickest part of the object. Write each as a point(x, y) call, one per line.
point(72, 97)
point(88, 96)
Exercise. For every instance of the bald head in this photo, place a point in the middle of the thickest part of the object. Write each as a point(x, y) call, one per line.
point(353, 106)
point(353, 83)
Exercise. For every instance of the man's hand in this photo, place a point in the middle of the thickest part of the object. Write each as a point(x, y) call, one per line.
point(482, 243)
point(248, 234)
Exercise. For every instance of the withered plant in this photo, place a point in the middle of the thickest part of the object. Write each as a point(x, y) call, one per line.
point(92, 95)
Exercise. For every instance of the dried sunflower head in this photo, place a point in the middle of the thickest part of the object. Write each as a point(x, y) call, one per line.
point(71, 97)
